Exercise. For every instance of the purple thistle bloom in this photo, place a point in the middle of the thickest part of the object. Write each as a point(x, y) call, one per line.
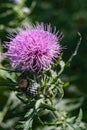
point(34, 49)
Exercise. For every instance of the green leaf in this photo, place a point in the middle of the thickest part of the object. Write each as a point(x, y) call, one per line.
point(30, 115)
point(38, 103)
point(70, 126)
point(46, 106)
point(72, 104)
point(78, 120)
point(6, 75)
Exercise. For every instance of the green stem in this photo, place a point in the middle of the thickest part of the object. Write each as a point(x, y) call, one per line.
point(5, 109)
point(76, 49)
point(7, 84)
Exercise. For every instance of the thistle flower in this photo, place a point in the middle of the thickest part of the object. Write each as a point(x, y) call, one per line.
point(34, 49)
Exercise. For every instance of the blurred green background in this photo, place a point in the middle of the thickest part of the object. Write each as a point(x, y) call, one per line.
point(70, 17)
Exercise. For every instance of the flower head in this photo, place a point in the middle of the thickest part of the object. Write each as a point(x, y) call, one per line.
point(34, 49)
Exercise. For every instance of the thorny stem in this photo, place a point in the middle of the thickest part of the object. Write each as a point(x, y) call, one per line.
point(76, 49)
point(72, 56)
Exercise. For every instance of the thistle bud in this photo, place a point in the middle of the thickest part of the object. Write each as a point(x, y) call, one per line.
point(29, 87)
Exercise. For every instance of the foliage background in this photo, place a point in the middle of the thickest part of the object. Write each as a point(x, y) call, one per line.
point(69, 17)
